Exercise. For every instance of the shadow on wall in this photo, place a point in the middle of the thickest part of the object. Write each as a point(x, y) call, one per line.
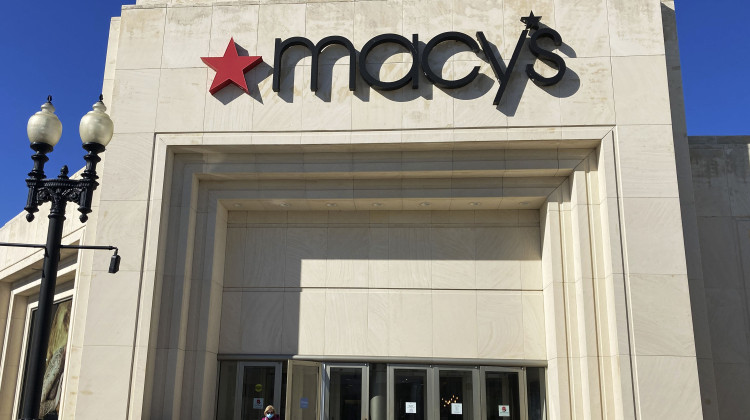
point(268, 265)
point(721, 301)
point(393, 62)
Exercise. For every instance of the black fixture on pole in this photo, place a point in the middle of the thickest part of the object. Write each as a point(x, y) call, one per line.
point(114, 263)
point(44, 130)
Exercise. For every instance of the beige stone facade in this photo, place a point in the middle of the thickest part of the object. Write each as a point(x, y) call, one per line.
point(564, 231)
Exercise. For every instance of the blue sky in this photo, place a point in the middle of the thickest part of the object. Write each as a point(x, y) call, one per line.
point(58, 48)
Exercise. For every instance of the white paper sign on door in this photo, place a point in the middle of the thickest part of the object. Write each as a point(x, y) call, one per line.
point(411, 408)
point(257, 403)
point(504, 410)
point(457, 408)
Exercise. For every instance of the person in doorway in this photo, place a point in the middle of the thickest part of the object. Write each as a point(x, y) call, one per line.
point(270, 414)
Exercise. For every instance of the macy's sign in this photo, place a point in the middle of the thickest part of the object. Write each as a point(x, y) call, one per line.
point(231, 68)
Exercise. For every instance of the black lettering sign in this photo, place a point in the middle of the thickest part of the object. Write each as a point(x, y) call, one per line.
point(502, 74)
point(315, 50)
point(413, 74)
point(539, 52)
point(434, 77)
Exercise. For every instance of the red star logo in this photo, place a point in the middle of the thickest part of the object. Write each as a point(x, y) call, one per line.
point(231, 68)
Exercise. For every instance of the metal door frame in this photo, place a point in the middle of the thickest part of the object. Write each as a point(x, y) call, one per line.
point(289, 382)
point(241, 379)
point(475, 379)
point(521, 388)
point(432, 384)
point(326, 387)
point(429, 388)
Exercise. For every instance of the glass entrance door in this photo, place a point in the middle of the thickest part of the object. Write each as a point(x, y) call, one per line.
point(409, 393)
point(303, 390)
point(346, 393)
point(258, 386)
point(504, 398)
point(458, 396)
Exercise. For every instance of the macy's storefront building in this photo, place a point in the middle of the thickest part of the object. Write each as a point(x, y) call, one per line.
point(395, 209)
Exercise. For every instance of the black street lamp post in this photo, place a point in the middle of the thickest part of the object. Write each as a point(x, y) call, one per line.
point(44, 130)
